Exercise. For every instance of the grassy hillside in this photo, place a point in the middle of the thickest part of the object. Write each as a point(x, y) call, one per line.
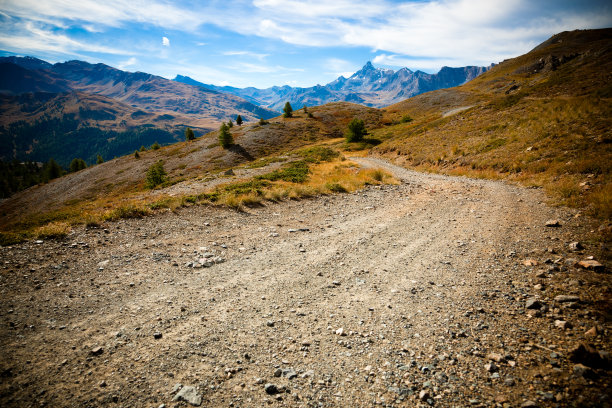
point(543, 119)
point(195, 172)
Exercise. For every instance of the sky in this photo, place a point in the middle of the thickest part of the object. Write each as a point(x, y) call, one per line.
point(263, 43)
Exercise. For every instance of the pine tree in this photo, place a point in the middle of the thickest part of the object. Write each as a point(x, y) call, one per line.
point(99, 160)
point(136, 155)
point(52, 170)
point(156, 175)
point(230, 124)
point(155, 146)
point(356, 130)
point(77, 164)
point(225, 137)
point(239, 120)
point(189, 135)
point(288, 110)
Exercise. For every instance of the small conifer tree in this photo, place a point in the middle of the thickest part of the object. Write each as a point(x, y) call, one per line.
point(225, 137)
point(52, 170)
point(230, 124)
point(287, 110)
point(189, 135)
point(239, 120)
point(77, 164)
point(356, 130)
point(99, 160)
point(155, 146)
point(156, 175)
point(136, 155)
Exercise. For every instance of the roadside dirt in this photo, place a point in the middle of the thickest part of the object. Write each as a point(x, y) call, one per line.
point(405, 295)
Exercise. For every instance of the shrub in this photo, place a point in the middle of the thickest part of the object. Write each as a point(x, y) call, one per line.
point(136, 155)
point(262, 121)
point(54, 230)
point(378, 175)
point(155, 146)
point(156, 175)
point(335, 188)
point(99, 160)
point(128, 211)
point(296, 172)
point(406, 119)
point(356, 131)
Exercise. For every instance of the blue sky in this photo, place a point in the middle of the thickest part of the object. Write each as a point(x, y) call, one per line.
point(275, 42)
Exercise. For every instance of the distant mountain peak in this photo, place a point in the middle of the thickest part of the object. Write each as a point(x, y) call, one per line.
point(370, 86)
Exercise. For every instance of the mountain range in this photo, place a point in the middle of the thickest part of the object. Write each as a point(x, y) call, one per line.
point(98, 109)
point(370, 86)
point(102, 110)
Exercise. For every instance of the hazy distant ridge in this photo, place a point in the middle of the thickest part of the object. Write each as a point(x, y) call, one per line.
point(369, 86)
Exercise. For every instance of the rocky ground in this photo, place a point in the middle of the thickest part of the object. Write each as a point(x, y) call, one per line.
point(440, 291)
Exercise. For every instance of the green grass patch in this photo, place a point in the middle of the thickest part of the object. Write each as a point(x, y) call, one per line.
point(296, 172)
point(318, 154)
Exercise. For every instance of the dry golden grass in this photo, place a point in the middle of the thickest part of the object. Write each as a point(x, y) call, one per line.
point(528, 122)
point(337, 176)
point(54, 230)
point(325, 177)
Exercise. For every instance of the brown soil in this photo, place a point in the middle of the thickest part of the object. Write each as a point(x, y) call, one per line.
point(394, 296)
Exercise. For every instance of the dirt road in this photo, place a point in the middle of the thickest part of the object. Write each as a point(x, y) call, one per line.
point(405, 295)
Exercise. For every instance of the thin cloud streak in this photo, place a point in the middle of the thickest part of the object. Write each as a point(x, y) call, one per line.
point(41, 40)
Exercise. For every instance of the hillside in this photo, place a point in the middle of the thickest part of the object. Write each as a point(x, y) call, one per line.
point(189, 164)
point(543, 119)
point(89, 125)
point(370, 86)
point(155, 93)
point(100, 110)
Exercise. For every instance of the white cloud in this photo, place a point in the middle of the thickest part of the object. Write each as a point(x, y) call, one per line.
point(339, 67)
point(417, 34)
point(263, 69)
point(127, 63)
point(453, 32)
point(246, 54)
point(39, 39)
point(113, 13)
